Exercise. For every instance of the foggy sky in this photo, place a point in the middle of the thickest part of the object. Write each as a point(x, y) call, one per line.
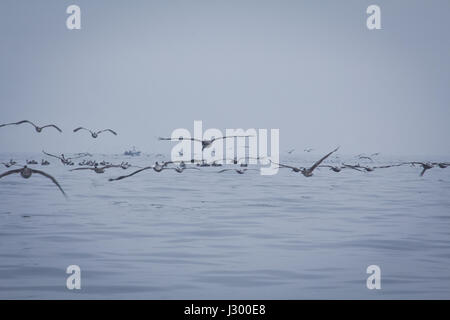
point(309, 68)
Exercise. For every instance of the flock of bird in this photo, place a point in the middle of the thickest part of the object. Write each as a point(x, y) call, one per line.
point(194, 164)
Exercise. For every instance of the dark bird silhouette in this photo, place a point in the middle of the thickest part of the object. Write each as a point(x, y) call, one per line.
point(205, 143)
point(307, 172)
point(37, 128)
point(26, 173)
point(240, 171)
point(96, 169)
point(156, 167)
point(62, 158)
point(95, 134)
point(425, 166)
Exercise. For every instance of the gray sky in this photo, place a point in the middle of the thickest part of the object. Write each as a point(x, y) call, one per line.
point(310, 68)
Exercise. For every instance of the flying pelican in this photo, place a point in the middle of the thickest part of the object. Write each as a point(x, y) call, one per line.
point(307, 172)
point(333, 168)
point(308, 149)
point(205, 143)
point(26, 172)
point(38, 129)
point(240, 171)
point(425, 166)
point(96, 133)
point(156, 167)
point(96, 169)
point(290, 151)
point(62, 158)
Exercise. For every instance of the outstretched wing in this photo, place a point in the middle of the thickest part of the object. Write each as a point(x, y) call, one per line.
point(53, 126)
point(322, 159)
point(19, 122)
point(81, 128)
point(51, 178)
point(284, 165)
point(179, 139)
point(51, 155)
point(7, 173)
point(131, 174)
point(113, 132)
point(84, 168)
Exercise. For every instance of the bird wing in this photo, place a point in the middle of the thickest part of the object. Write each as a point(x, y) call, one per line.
point(131, 174)
point(81, 169)
point(7, 173)
point(284, 165)
point(179, 139)
point(322, 159)
point(19, 122)
point(226, 137)
point(51, 155)
point(113, 132)
point(81, 128)
point(51, 178)
point(52, 125)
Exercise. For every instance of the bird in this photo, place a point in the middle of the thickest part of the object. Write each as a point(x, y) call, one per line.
point(95, 134)
point(44, 162)
point(181, 169)
point(425, 166)
point(240, 171)
point(26, 173)
point(307, 172)
point(62, 158)
point(290, 151)
point(205, 143)
point(38, 129)
point(32, 162)
point(96, 169)
point(333, 168)
point(9, 164)
point(156, 167)
point(308, 149)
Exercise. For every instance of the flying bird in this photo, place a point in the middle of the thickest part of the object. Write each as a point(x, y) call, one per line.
point(240, 171)
point(26, 173)
point(38, 129)
point(95, 134)
point(205, 143)
point(425, 166)
point(156, 167)
point(307, 172)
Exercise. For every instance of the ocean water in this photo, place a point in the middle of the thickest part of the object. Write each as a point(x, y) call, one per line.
point(205, 235)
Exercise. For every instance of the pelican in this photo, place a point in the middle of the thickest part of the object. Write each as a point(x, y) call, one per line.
point(240, 171)
point(97, 169)
point(308, 149)
point(156, 167)
point(333, 168)
point(95, 134)
point(205, 143)
point(181, 169)
point(38, 129)
point(307, 172)
point(26, 173)
point(9, 164)
point(425, 166)
point(62, 158)
point(32, 162)
point(44, 162)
